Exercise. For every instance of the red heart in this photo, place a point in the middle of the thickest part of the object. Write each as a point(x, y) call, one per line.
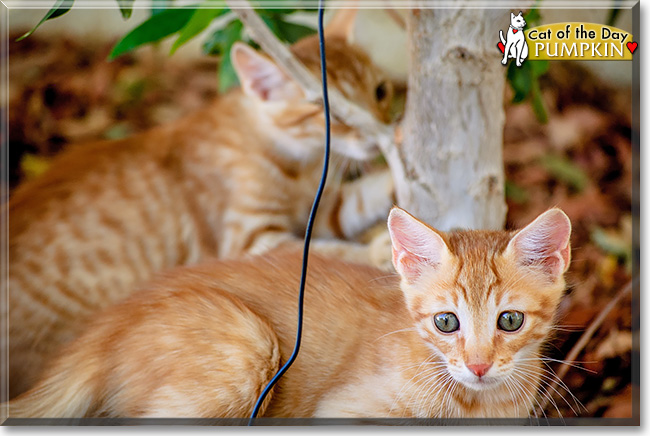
point(632, 46)
point(501, 47)
point(514, 30)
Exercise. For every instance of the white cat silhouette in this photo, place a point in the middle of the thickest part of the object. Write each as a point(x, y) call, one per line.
point(515, 42)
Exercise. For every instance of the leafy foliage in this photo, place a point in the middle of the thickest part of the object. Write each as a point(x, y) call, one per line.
point(188, 22)
point(564, 170)
point(613, 243)
point(201, 19)
point(516, 193)
point(221, 40)
point(60, 7)
point(524, 81)
point(285, 30)
point(219, 44)
point(156, 28)
point(126, 8)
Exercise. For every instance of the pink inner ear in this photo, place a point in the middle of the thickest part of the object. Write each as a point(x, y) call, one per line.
point(259, 74)
point(545, 243)
point(415, 245)
point(264, 84)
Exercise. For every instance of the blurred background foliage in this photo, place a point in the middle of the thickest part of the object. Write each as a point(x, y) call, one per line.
point(187, 22)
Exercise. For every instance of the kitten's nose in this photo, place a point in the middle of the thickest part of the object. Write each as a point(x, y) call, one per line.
point(479, 368)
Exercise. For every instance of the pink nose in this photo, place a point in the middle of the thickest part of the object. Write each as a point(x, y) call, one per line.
point(480, 368)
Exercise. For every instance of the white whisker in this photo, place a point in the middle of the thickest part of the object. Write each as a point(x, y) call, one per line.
point(409, 329)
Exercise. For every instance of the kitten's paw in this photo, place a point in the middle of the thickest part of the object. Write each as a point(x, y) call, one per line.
point(387, 186)
point(504, 61)
point(381, 251)
point(366, 202)
point(378, 197)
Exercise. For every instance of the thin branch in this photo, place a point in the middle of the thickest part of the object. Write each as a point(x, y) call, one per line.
point(396, 17)
point(341, 108)
point(279, 52)
point(586, 336)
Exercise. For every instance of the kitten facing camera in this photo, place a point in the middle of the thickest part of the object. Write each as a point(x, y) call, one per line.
point(458, 334)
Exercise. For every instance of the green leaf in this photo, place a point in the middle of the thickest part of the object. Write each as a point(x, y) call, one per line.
point(159, 6)
point(60, 7)
point(126, 8)
point(566, 171)
point(611, 243)
point(292, 32)
point(516, 193)
point(219, 44)
point(154, 29)
point(538, 67)
point(118, 131)
point(227, 75)
point(222, 39)
point(199, 21)
point(614, 13)
point(538, 103)
point(524, 81)
point(285, 30)
point(532, 17)
point(520, 81)
point(273, 11)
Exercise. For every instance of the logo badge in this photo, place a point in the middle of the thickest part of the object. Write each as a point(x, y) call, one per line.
point(566, 41)
point(514, 45)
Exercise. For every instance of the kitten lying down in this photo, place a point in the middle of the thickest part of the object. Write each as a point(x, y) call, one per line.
point(458, 334)
point(237, 177)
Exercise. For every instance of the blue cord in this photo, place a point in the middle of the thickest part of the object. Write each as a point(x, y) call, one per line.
point(310, 224)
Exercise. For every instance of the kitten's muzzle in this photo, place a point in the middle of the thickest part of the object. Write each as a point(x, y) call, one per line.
point(479, 369)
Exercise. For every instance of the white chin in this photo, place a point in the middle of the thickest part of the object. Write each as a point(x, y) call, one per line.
point(482, 384)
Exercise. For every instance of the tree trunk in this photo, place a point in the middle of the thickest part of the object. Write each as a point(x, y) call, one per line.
point(449, 168)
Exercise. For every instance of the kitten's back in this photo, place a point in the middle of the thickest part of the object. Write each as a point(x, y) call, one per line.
point(156, 353)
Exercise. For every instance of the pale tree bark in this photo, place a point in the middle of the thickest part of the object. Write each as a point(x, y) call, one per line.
point(449, 168)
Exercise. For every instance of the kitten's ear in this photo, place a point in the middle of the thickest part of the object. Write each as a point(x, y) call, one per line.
point(512, 15)
point(544, 244)
point(415, 245)
point(260, 77)
point(342, 24)
point(520, 13)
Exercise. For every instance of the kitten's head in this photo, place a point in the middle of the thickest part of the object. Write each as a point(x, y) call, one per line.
point(517, 20)
point(297, 124)
point(483, 301)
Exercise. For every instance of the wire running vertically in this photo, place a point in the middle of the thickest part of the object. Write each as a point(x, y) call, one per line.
point(310, 223)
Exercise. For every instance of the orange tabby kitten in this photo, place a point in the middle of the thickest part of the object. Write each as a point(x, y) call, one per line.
point(237, 177)
point(459, 336)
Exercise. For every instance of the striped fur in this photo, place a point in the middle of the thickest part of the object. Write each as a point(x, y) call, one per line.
point(203, 341)
point(237, 177)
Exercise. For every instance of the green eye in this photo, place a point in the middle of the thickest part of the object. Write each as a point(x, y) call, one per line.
point(511, 320)
point(446, 322)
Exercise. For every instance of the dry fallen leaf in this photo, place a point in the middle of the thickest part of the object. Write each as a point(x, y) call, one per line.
point(617, 343)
